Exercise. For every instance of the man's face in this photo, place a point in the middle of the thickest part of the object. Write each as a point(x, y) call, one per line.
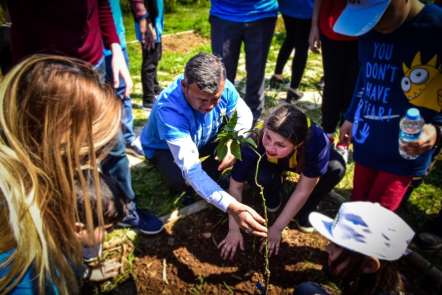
point(202, 101)
point(394, 16)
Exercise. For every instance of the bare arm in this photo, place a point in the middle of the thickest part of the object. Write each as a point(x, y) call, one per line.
point(294, 204)
point(314, 40)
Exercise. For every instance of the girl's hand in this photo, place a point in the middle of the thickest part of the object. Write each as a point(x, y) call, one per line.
point(274, 240)
point(230, 244)
point(314, 40)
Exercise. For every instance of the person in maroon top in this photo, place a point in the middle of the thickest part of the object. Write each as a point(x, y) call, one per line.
point(340, 62)
point(78, 29)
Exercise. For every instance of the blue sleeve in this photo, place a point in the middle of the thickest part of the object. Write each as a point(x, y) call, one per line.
point(231, 96)
point(25, 286)
point(316, 154)
point(242, 170)
point(176, 127)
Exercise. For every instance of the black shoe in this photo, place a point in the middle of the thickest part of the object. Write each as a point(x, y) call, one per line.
point(147, 104)
point(429, 242)
point(293, 95)
point(158, 89)
point(276, 83)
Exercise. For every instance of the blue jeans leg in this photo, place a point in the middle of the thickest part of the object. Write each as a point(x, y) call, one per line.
point(116, 166)
point(257, 39)
point(126, 116)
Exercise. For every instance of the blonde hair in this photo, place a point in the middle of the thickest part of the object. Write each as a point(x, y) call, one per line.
point(55, 116)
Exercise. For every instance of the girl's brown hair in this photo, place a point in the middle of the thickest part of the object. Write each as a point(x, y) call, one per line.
point(289, 122)
point(55, 117)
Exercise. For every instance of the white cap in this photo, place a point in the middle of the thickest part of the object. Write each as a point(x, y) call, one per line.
point(366, 228)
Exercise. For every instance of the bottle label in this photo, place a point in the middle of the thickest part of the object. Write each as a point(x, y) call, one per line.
point(409, 136)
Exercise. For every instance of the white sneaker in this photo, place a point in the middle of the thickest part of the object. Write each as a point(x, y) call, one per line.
point(135, 148)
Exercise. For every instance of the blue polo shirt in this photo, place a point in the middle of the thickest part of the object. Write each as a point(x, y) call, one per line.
point(243, 11)
point(301, 9)
point(312, 157)
point(173, 117)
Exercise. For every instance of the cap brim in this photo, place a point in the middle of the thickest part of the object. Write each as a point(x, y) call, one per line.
point(356, 20)
point(322, 224)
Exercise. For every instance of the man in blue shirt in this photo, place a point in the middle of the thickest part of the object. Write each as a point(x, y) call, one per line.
point(252, 22)
point(185, 120)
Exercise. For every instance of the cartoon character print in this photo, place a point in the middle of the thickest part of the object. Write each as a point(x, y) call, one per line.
point(422, 83)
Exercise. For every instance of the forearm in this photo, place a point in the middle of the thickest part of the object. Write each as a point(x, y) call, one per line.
point(296, 201)
point(186, 156)
point(315, 15)
point(235, 190)
point(139, 9)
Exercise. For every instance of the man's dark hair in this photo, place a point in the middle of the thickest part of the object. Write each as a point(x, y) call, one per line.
point(206, 71)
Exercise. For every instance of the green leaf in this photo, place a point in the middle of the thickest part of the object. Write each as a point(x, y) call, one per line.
point(235, 149)
point(249, 141)
point(221, 150)
point(232, 121)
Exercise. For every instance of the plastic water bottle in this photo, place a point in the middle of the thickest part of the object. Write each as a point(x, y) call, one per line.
point(410, 130)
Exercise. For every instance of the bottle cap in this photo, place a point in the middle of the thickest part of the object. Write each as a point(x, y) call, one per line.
point(413, 114)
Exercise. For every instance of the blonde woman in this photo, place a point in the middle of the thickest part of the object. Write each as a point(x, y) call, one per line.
point(55, 116)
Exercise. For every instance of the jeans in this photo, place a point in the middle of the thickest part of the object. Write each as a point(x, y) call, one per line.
point(340, 61)
point(116, 164)
point(309, 288)
point(126, 117)
point(270, 177)
point(149, 78)
point(227, 37)
point(298, 31)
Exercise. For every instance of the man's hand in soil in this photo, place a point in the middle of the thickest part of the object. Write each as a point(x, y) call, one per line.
point(426, 141)
point(248, 219)
point(274, 241)
point(230, 244)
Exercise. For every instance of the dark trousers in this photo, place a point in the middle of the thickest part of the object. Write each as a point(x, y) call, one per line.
point(163, 161)
point(297, 33)
point(5, 49)
point(227, 38)
point(340, 60)
point(149, 79)
point(270, 177)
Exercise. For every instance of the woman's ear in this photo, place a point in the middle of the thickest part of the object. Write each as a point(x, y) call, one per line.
point(371, 265)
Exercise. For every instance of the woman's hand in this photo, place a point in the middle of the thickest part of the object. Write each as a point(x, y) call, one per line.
point(247, 219)
point(230, 244)
point(274, 240)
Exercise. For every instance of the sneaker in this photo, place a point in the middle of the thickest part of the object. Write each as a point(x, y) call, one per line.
point(305, 228)
point(276, 82)
point(135, 148)
point(142, 221)
point(343, 151)
point(429, 242)
point(158, 89)
point(293, 95)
